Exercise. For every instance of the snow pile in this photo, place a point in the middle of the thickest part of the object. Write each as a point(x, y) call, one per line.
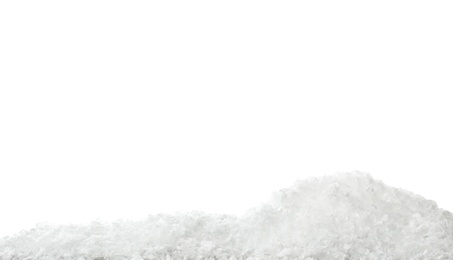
point(345, 216)
point(350, 216)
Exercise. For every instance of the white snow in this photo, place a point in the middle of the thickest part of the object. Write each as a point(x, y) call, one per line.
point(343, 216)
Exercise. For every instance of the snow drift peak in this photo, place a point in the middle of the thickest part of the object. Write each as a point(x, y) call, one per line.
point(352, 211)
point(356, 190)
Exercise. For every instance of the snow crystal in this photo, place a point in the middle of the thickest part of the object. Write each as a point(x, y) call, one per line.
point(344, 216)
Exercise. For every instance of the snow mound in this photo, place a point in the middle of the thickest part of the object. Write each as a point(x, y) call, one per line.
point(344, 216)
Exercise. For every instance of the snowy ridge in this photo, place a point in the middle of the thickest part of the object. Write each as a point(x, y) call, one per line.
point(344, 216)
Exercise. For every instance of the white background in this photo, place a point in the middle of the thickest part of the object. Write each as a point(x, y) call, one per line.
point(120, 109)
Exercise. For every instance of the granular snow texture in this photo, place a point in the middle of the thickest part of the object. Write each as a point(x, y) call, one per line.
point(344, 216)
